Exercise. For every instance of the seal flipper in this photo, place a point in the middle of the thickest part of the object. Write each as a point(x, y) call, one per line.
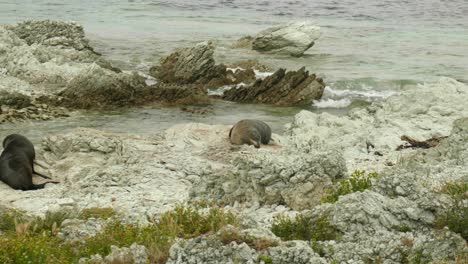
point(42, 185)
point(41, 175)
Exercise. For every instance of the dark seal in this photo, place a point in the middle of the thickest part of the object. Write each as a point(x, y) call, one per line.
point(251, 132)
point(17, 164)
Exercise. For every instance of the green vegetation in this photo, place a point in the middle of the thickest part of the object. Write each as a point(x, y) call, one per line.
point(95, 212)
point(456, 217)
point(265, 259)
point(303, 227)
point(33, 240)
point(357, 182)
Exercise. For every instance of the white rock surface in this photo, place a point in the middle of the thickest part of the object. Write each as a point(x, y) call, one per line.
point(290, 39)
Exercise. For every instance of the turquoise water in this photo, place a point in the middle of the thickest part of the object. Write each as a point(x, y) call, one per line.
point(368, 49)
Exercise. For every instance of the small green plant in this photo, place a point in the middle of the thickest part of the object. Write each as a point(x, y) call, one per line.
point(303, 227)
point(402, 228)
point(9, 218)
point(357, 182)
point(265, 259)
point(96, 212)
point(455, 217)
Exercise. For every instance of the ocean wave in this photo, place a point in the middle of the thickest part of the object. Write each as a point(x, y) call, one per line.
point(334, 98)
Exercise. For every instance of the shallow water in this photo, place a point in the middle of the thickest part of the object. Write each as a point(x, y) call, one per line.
point(368, 50)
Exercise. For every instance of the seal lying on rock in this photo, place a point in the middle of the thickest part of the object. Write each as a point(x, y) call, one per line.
point(16, 164)
point(251, 132)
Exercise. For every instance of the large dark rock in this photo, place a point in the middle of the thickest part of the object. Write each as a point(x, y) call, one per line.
point(97, 87)
point(282, 88)
point(188, 65)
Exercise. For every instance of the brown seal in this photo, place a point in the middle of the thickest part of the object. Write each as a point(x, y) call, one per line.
point(16, 164)
point(251, 132)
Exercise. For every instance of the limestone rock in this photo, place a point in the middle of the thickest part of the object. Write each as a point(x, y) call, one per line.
point(282, 88)
point(290, 39)
point(296, 175)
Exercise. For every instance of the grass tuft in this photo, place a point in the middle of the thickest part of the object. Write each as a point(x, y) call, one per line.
point(303, 227)
point(357, 182)
point(455, 217)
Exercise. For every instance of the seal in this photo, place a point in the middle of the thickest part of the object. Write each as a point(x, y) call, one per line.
point(17, 164)
point(251, 132)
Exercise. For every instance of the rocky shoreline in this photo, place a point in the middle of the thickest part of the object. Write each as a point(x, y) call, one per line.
point(399, 214)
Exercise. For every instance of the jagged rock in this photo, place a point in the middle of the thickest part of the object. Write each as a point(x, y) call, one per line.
point(76, 230)
point(294, 252)
point(135, 254)
point(177, 94)
point(209, 249)
point(291, 39)
point(282, 88)
point(249, 64)
point(52, 33)
point(189, 65)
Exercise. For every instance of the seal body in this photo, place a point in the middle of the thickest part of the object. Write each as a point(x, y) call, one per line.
point(251, 132)
point(16, 163)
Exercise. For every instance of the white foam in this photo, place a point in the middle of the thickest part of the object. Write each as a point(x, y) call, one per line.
point(262, 75)
point(220, 91)
point(235, 69)
point(332, 103)
point(333, 98)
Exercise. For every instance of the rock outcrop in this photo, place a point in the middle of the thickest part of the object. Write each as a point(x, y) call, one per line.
point(54, 59)
point(282, 88)
point(188, 65)
point(291, 39)
point(196, 65)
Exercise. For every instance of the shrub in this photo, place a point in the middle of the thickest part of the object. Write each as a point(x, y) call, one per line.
point(36, 242)
point(357, 182)
point(303, 227)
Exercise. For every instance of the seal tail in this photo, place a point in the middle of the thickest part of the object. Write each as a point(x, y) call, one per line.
point(42, 185)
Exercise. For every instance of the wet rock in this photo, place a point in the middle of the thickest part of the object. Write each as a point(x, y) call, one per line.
point(291, 39)
point(96, 87)
point(52, 33)
point(243, 43)
point(176, 94)
point(282, 88)
point(14, 100)
point(188, 65)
